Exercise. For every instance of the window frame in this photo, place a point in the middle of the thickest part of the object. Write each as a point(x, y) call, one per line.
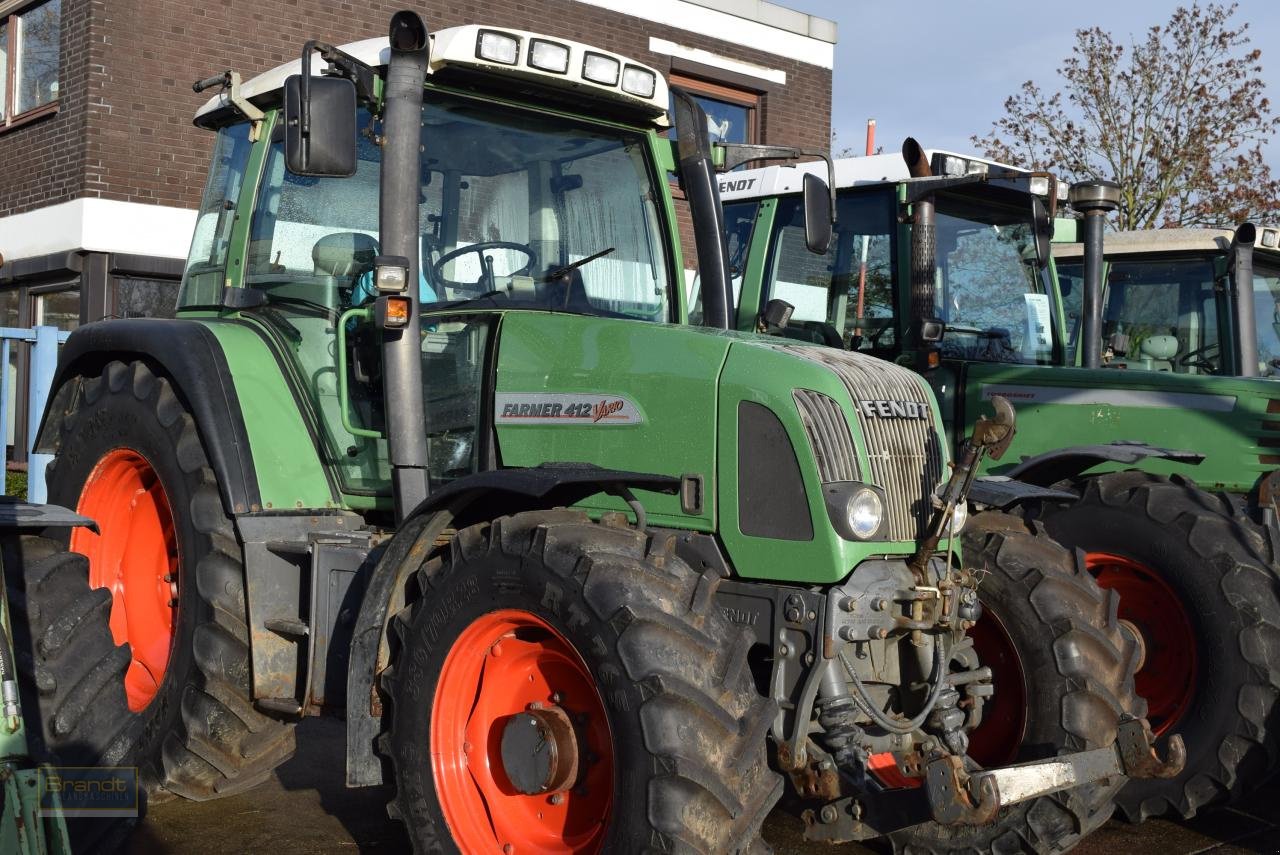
point(9, 15)
point(719, 91)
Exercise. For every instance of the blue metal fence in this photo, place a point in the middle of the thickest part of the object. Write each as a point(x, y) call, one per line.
point(44, 361)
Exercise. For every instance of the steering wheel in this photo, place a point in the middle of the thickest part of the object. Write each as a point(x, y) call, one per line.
point(1199, 358)
point(486, 281)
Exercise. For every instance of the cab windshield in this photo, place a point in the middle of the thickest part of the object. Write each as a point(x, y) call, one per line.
point(516, 210)
point(1266, 310)
point(1159, 314)
point(991, 292)
point(990, 289)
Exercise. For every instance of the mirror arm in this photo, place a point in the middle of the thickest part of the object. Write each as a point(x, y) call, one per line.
point(736, 154)
point(339, 64)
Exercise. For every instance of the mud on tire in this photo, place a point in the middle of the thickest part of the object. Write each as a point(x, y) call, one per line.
point(70, 672)
point(1077, 666)
point(1221, 566)
point(690, 771)
point(200, 737)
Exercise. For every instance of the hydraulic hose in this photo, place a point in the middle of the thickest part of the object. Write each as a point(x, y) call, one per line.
point(911, 725)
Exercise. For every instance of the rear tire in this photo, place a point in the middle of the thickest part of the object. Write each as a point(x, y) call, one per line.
point(688, 729)
point(1221, 568)
point(200, 736)
point(70, 672)
point(1068, 666)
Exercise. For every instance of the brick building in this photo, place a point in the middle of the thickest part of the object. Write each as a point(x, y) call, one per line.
point(101, 169)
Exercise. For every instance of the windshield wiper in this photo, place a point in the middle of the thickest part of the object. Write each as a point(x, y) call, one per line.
point(574, 265)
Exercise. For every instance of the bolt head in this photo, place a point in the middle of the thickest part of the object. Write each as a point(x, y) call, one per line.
point(829, 813)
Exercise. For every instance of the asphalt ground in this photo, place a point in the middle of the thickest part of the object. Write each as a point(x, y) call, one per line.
point(305, 810)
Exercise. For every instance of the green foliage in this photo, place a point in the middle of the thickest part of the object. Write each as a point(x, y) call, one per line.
point(1178, 118)
point(15, 483)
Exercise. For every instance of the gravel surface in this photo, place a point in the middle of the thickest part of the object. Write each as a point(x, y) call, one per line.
point(305, 809)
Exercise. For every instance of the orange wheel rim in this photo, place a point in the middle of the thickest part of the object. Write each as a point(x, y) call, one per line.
point(997, 740)
point(1167, 678)
point(501, 666)
point(135, 557)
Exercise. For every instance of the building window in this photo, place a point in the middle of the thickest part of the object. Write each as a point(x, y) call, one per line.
point(29, 60)
point(731, 112)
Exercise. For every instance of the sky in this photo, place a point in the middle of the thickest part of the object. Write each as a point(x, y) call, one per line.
point(948, 79)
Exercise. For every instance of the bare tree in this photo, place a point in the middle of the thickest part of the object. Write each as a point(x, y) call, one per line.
point(1179, 119)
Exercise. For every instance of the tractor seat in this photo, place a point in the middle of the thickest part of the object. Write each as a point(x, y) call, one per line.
point(1157, 352)
point(344, 255)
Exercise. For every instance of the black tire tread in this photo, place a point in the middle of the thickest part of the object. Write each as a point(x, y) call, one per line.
point(1218, 530)
point(216, 720)
point(710, 792)
point(1093, 656)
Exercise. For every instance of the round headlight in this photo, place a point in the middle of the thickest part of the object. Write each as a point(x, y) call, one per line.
point(866, 512)
point(959, 517)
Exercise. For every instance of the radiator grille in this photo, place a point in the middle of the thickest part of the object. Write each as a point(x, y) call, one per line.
point(829, 436)
point(905, 454)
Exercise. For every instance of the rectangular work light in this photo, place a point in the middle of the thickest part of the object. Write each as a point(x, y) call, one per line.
point(502, 48)
point(601, 69)
point(638, 81)
point(549, 56)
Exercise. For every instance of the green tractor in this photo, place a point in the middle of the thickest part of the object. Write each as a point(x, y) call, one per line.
point(942, 262)
point(431, 445)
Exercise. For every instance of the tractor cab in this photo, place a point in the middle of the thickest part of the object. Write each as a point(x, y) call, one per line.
point(1172, 299)
point(981, 278)
point(542, 187)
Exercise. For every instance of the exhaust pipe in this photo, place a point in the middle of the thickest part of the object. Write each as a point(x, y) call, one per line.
point(702, 188)
point(1242, 273)
point(1094, 199)
point(924, 239)
point(398, 235)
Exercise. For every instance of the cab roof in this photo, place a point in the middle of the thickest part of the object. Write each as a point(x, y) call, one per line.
point(457, 47)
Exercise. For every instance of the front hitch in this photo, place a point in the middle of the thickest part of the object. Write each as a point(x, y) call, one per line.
point(990, 436)
point(954, 796)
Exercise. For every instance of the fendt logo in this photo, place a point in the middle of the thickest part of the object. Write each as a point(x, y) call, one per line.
point(737, 184)
point(894, 409)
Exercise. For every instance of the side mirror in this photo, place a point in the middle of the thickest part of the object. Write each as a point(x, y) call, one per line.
point(931, 330)
point(817, 214)
point(1044, 231)
point(776, 316)
point(320, 126)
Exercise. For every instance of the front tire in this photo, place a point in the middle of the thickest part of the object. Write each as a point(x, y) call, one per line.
point(1063, 673)
point(1198, 582)
point(622, 636)
point(130, 456)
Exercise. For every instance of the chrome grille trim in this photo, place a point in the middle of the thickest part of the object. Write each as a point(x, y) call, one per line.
point(905, 455)
point(829, 436)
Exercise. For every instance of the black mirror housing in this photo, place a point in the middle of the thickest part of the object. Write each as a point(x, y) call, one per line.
point(931, 330)
point(817, 214)
point(327, 147)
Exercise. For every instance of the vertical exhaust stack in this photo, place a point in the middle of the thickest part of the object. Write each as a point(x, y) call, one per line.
point(1094, 199)
point(1242, 273)
point(398, 234)
point(702, 188)
point(923, 237)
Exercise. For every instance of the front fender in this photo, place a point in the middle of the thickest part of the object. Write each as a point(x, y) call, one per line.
point(1062, 464)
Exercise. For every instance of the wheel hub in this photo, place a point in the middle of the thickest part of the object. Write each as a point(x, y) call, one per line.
point(540, 751)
